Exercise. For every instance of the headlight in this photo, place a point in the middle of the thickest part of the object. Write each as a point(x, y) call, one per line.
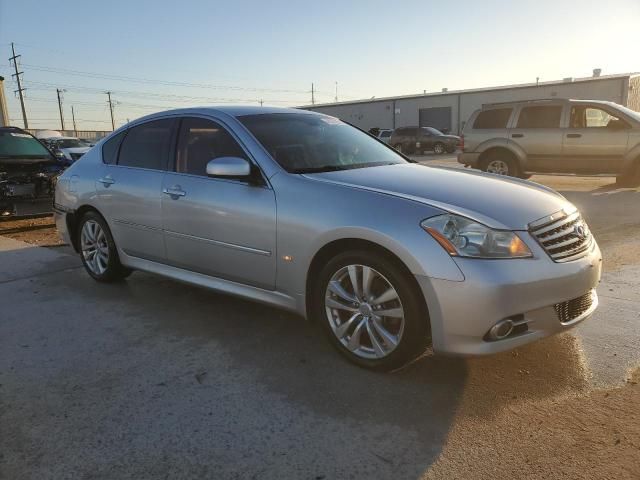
point(462, 237)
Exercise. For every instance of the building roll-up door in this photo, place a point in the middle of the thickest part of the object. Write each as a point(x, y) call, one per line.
point(436, 117)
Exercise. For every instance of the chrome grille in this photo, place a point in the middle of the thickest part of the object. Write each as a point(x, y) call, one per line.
point(564, 236)
point(572, 309)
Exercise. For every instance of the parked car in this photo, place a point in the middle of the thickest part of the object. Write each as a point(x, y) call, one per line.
point(554, 136)
point(27, 169)
point(301, 211)
point(68, 149)
point(412, 140)
point(384, 135)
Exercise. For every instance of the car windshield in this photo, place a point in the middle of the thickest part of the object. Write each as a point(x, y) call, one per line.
point(70, 143)
point(21, 145)
point(432, 131)
point(630, 113)
point(304, 143)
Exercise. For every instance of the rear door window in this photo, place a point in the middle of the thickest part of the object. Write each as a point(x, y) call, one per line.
point(547, 116)
point(110, 148)
point(148, 145)
point(492, 119)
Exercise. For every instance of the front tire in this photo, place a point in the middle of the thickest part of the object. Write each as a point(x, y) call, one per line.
point(439, 148)
point(98, 250)
point(371, 310)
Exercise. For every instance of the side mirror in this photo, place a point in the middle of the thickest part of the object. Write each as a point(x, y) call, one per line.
point(616, 125)
point(228, 167)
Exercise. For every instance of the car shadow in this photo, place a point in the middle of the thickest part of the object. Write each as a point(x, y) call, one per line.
point(293, 360)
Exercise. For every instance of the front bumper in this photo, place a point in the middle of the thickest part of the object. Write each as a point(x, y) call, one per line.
point(471, 159)
point(462, 313)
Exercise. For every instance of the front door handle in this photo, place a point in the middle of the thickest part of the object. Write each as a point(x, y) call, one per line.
point(106, 181)
point(574, 135)
point(174, 191)
point(517, 135)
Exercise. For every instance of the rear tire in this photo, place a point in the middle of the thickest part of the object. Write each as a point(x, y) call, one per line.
point(98, 250)
point(345, 311)
point(630, 178)
point(500, 163)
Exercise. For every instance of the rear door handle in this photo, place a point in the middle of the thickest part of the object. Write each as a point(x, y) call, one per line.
point(574, 135)
point(517, 135)
point(106, 181)
point(174, 192)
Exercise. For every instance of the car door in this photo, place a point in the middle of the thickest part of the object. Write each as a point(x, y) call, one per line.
point(130, 185)
point(537, 132)
point(217, 226)
point(595, 140)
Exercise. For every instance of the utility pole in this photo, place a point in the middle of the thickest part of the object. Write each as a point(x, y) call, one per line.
point(113, 124)
point(58, 91)
point(336, 92)
point(261, 101)
point(20, 89)
point(313, 97)
point(73, 116)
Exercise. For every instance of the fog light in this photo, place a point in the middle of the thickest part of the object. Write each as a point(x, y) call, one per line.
point(501, 330)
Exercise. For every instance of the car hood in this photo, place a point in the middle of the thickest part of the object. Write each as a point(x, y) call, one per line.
point(498, 202)
point(449, 137)
point(76, 150)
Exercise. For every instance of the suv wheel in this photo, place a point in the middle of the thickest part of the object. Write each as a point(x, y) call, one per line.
point(630, 178)
point(370, 311)
point(398, 147)
point(500, 163)
point(439, 148)
point(98, 250)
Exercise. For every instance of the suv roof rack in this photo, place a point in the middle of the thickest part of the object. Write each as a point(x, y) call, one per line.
point(491, 104)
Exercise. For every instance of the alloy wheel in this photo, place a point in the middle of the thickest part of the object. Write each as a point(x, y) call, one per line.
point(364, 311)
point(499, 167)
point(438, 148)
point(94, 246)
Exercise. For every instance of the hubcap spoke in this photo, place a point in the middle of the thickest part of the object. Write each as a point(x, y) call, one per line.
point(354, 340)
point(390, 340)
point(367, 278)
point(333, 303)
point(353, 276)
point(387, 296)
point(336, 288)
point(342, 329)
point(375, 343)
point(391, 312)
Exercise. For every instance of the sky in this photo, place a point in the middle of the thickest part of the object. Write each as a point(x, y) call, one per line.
point(156, 55)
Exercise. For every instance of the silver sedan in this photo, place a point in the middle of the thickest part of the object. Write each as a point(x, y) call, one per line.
point(301, 211)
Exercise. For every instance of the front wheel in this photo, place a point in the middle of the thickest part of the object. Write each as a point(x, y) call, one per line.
point(98, 250)
point(371, 310)
point(398, 147)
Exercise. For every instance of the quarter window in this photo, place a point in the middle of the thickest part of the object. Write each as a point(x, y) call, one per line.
point(490, 119)
point(110, 148)
point(202, 141)
point(540, 117)
point(147, 145)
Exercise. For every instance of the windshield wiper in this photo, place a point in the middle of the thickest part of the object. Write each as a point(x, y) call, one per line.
point(322, 168)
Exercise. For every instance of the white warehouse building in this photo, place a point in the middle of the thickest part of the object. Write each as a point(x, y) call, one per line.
point(449, 110)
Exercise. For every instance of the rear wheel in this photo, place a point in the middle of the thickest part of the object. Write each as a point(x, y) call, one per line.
point(371, 310)
point(630, 178)
point(98, 250)
point(500, 163)
point(439, 148)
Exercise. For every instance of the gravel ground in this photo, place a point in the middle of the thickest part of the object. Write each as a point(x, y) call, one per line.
point(155, 379)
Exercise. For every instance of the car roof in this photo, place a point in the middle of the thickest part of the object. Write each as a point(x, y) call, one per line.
point(231, 110)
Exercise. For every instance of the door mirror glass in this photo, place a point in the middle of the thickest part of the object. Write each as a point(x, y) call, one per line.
point(228, 167)
point(616, 124)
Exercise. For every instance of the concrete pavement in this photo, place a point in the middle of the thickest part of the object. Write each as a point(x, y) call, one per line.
point(154, 379)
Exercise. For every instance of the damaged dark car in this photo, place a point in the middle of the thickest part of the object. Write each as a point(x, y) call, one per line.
point(27, 169)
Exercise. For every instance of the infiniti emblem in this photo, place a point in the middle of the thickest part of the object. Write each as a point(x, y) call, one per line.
point(580, 231)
